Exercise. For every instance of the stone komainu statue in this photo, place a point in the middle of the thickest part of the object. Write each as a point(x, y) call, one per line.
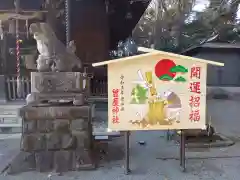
point(53, 55)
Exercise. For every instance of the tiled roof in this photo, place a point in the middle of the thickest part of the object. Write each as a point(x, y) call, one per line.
point(24, 4)
point(221, 45)
point(211, 45)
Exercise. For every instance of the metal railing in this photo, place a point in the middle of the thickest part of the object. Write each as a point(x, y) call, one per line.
point(97, 88)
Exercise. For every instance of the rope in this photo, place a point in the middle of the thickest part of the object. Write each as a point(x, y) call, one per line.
point(67, 21)
point(19, 84)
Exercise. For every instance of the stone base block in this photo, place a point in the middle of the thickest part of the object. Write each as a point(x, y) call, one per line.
point(80, 124)
point(63, 161)
point(44, 161)
point(52, 112)
point(33, 142)
point(56, 140)
point(53, 141)
point(68, 141)
point(58, 82)
point(39, 98)
point(83, 140)
point(83, 160)
point(29, 126)
point(43, 126)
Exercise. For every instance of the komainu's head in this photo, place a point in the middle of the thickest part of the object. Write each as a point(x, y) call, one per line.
point(41, 29)
point(35, 28)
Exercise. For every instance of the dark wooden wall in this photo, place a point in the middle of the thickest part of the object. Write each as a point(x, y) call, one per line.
point(97, 31)
point(90, 32)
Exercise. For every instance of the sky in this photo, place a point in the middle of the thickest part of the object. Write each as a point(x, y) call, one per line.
point(201, 5)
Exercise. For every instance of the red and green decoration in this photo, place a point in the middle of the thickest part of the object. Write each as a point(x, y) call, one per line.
point(167, 70)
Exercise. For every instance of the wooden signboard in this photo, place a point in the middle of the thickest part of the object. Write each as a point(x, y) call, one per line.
point(157, 91)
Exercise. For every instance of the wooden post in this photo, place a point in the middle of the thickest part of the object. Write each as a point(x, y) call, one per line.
point(168, 135)
point(127, 154)
point(182, 151)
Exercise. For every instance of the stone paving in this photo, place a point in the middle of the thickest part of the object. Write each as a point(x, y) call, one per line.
point(158, 159)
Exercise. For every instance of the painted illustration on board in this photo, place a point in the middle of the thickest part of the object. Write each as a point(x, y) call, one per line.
point(167, 70)
point(156, 105)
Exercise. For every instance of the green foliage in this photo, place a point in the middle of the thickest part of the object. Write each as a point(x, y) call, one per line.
point(139, 95)
point(180, 79)
point(141, 91)
point(178, 68)
point(165, 77)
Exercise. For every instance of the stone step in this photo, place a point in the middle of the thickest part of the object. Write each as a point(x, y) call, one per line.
point(10, 122)
point(10, 110)
point(9, 118)
point(12, 105)
point(9, 114)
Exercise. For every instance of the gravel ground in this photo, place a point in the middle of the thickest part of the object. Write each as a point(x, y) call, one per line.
point(157, 160)
point(225, 117)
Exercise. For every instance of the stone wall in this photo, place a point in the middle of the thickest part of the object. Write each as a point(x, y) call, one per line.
point(57, 138)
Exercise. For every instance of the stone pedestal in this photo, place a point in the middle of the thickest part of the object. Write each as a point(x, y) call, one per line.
point(52, 82)
point(52, 86)
point(57, 136)
point(60, 138)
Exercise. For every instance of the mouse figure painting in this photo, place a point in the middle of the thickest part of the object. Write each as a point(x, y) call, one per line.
point(157, 91)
